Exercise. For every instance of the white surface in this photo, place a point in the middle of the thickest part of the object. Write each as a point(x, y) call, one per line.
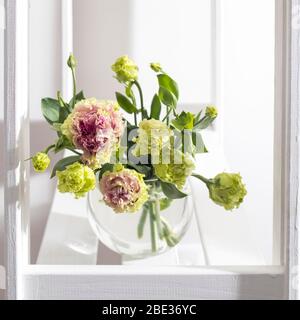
point(113, 283)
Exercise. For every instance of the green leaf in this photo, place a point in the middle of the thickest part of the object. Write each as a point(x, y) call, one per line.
point(51, 110)
point(62, 143)
point(128, 91)
point(63, 114)
point(165, 203)
point(79, 96)
point(106, 167)
point(140, 168)
point(169, 84)
point(56, 126)
point(63, 163)
point(184, 121)
point(198, 142)
point(171, 191)
point(204, 123)
point(167, 97)
point(155, 107)
point(125, 103)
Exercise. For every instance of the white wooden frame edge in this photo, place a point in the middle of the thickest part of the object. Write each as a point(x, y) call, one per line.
point(98, 282)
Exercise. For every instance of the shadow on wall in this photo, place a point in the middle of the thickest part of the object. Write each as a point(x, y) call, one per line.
point(41, 188)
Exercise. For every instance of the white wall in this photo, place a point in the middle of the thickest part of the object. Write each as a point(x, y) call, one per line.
point(248, 43)
point(45, 80)
point(174, 32)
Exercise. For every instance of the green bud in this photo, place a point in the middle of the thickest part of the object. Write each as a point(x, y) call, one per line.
point(126, 70)
point(40, 162)
point(155, 66)
point(227, 190)
point(211, 112)
point(72, 63)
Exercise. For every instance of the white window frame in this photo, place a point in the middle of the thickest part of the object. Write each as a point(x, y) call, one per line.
point(25, 281)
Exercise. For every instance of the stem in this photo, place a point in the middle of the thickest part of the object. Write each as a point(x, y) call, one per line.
point(135, 119)
point(74, 86)
point(80, 154)
point(135, 116)
point(152, 230)
point(141, 97)
point(203, 179)
point(169, 236)
point(49, 148)
point(142, 222)
point(168, 115)
point(157, 213)
point(169, 110)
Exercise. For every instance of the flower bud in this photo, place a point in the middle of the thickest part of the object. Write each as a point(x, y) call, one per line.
point(211, 112)
point(72, 63)
point(40, 162)
point(77, 179)
point(227, 190)
point(155, 66)
point(126, 70)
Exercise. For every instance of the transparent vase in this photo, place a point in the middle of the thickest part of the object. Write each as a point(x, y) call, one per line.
point(155, 229)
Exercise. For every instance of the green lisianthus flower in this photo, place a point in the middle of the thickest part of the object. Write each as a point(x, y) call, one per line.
point(211, 112)
point(77, 179)
point(40, 162)
point(177, 170)
point(153, 136)
point(227, 190)
point(126, 70)
point(124, 190)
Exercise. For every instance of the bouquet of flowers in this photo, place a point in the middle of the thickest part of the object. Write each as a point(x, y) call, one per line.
point(140, 165)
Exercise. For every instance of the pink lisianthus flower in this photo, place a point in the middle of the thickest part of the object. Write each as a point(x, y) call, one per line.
point(123, 190)
point(95, 127)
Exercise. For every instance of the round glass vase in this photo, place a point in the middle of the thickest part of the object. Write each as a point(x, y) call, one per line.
point(155, 229)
